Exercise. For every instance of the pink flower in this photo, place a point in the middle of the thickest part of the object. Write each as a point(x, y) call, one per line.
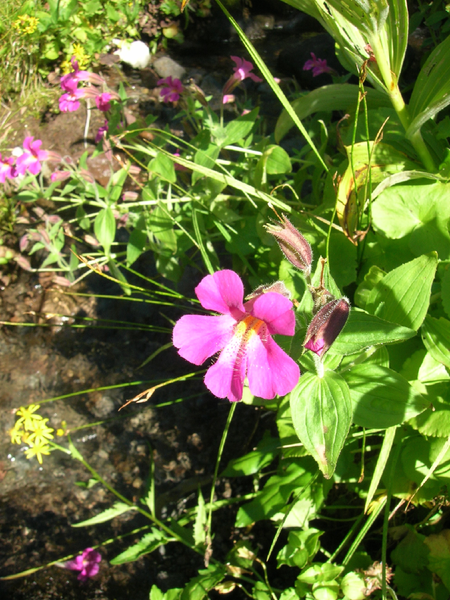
point(242, 335)
point(76, 75)
point(7, 169)
point(31, 159)
point(87, 563)
point(103, 101)
point(60, 175)
point(101, 131)
point(318, 66)
point(241, 72)
point(172, 90)
point(69, 102)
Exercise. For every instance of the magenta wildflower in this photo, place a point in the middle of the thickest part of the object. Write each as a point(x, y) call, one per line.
point(7, 169)
point(31, 159)
point(87, 563)
point(172, 90)
point(317, 65)
point(101, 131)
point(242, 70)
point(76, 75)
point(242, 335)
point(70, 101)
point(103, 102)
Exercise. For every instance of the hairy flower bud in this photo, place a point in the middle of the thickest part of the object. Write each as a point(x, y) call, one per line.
point(326, 326)
point(293, 245)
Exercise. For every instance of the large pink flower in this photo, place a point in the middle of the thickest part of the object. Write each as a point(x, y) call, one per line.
point(32, 157)
point(242, 70)
point(87, 563)
point(70, 101)
point(242, 335)
point(7, 169)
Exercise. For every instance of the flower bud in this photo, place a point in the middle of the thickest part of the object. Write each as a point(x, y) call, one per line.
point(326, 326)
point(278, 288)
point(293, 245)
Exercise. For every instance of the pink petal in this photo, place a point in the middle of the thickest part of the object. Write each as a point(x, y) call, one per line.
point(225, 379)
point(276, 311)
point(198, 337)
point(222, 292)
point(271, 371)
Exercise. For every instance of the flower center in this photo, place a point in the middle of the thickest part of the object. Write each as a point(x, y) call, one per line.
point(248, 327)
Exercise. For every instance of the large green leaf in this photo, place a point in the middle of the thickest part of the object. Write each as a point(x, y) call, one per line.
point(431, 91)
point(418, 213)
point(436, 337)
point(363, 330)
point(322, 414)
point(403, 295)
point(105, 228)
point(337, 96)
point(381, 397)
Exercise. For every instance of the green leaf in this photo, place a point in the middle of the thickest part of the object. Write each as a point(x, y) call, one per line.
point(198, 587)
point(411, 554)
point(431, 91)
point(301, 548)
point(338, 96)
point(382, 398)
point(150, 542)
point(439, 557)
point(105, 228)
point(200, 524)
point(418, 213)
point(137, 242)
point(403, 295)
point(253, 462)
point(239, 128)
point(322, 413)
point(275, 495)
point(383, 456)
point(162, 165)
point(363, 330)
point(106, 515)
point(353, 586)
point(436, 337)
point(435, 421)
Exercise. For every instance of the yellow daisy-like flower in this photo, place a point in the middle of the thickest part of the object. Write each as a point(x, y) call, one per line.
point(38, 450)
point(27, 416)
point(41, 433)
point(16, 433)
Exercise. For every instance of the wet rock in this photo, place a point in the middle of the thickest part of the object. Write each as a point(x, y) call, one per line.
point(167, 67)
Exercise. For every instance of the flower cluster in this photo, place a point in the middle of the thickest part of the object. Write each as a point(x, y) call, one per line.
point(30, 160)
point(32, 429)
point(25, 24)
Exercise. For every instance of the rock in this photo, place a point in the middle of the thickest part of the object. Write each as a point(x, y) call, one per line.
point(167, 67)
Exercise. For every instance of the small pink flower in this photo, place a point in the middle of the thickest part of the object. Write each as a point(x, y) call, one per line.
point(242, 335)
point(318, 66)
point(103, 102)
point(76, 75)
point(172, 90)
point(228, 99)
point(70, 101)
point(87, 563)
point(242, 70)
point(31, 159)
point(101, 131)
point(7, 169)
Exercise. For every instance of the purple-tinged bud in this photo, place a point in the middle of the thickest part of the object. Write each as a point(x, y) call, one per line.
point(293, 245)
point(326, 326)
point(60, 175)
point(277, 288)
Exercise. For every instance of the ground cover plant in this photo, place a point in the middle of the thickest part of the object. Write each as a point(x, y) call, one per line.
point(326, 268)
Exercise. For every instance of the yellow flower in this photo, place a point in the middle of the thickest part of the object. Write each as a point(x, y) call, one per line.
point(16, 433)
point(38, 450)
point(40, 433)
point(81, 56)
point(27, 416)
point(25, 24)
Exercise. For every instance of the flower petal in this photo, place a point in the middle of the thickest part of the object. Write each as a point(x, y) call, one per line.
point(225, 378)
point(271, 371)
point(222, 292)
point(276, 311)
point(198, 337)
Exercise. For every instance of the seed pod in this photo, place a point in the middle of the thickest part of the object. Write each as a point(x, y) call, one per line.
point(326, 326)
point(294, 246)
